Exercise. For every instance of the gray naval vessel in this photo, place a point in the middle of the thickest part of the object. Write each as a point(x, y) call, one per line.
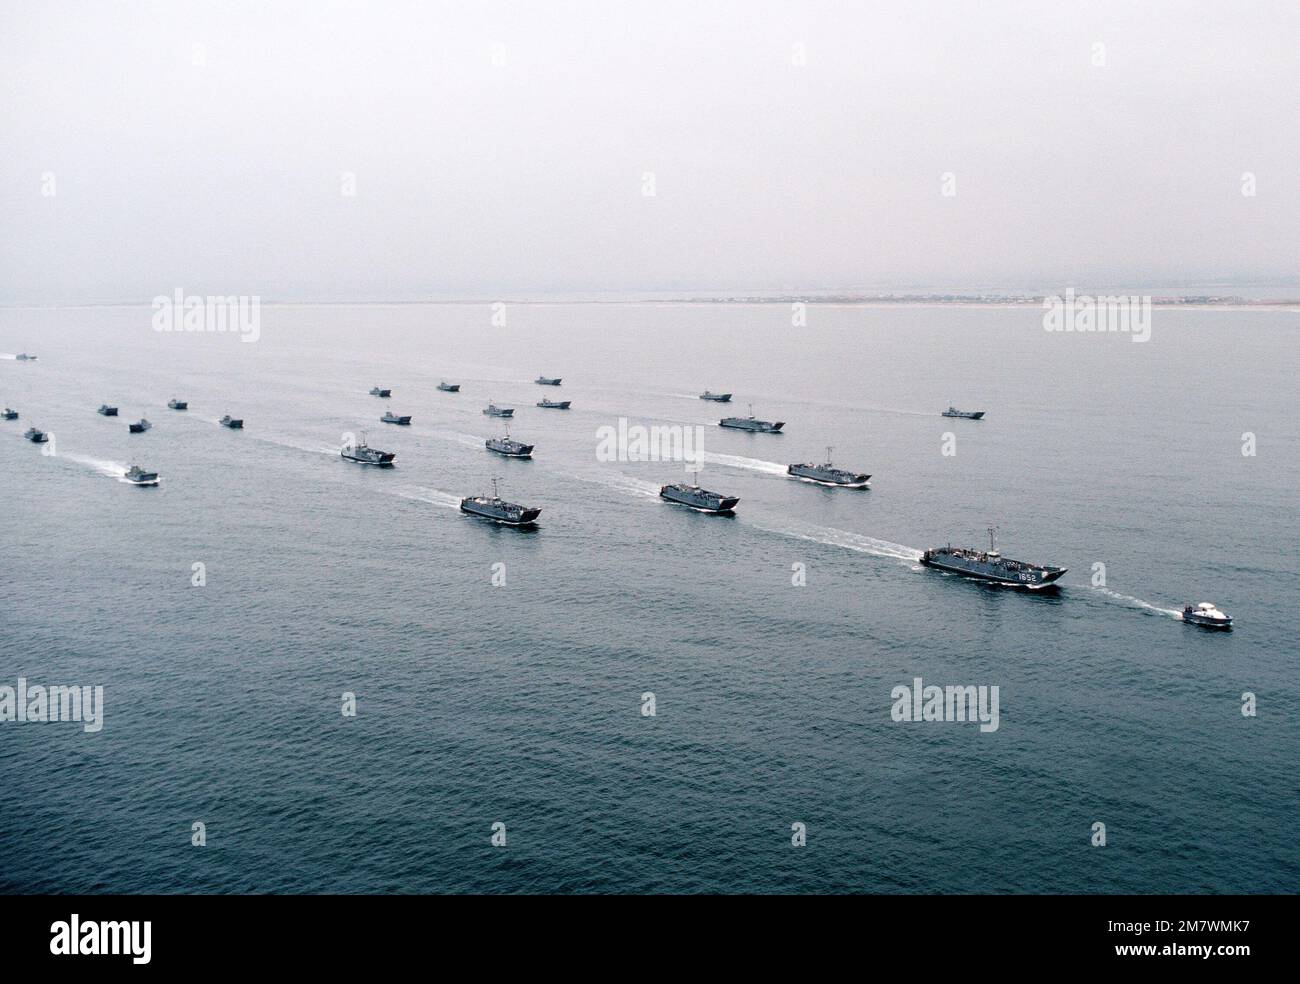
point(548, 380)
point(36, 436)
point(138, 476)
point(495, 508)
point(508, 447)
point(175, 404)
point(363, 454)
point(139, 427)
point(492, 410)
point(9, 414)
point(966, 414)
point(752, 423)
point(716, 397)
point(447, 387)
point(554, 404)
point(234, 423)
point(106, 411)
point(989, 565)
point(700, 499)
point(828, 474)
point(392, 418)
point(379, 391)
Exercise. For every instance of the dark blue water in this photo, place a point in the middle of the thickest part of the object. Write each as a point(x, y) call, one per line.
point(521, 703)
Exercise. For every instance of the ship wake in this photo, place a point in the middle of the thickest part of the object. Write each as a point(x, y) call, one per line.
point(468, 440)
point(1138, 602)
point(109, 469)
point(751, 464)
point(831, 537)
point(434, 497)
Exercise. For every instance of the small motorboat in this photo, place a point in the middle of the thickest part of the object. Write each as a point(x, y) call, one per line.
point(139, 427)
point(175, 404)
point(391, 418)
point(548, 380)
point(36, 436)
point(9, 414)
point(138, 476)
point(716, 397)
point(1207, 615)
point(232, 422)
point(966, 414)
point(24, 357)
point(377, 391)
point(554, 404)
point(106, 411)
point(447, 387)
point(492, 410)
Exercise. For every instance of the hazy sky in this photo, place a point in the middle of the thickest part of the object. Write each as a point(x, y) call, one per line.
point(501, 148)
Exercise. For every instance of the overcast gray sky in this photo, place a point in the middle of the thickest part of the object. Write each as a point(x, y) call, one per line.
point(501, 148)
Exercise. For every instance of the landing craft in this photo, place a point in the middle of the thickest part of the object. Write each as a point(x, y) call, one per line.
point(828, 474)
point(752, 423)
point(508, 447)
point(498, 510)
point(989, 565)
point(701, 500)
point(138, 476)
point(363, 454)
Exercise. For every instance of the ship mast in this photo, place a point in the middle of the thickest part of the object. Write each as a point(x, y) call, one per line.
point(829, 449)
point(992, 533)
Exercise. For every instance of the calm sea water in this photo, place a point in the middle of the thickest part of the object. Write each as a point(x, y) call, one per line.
point(520, 704)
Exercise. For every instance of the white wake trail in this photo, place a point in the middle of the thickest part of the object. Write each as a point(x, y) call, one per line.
point(1138, 602)
point(831, 537)
point(285, 442)
point(434, 497)
point(752, 464)
point(468, 440)
point(109, 469)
